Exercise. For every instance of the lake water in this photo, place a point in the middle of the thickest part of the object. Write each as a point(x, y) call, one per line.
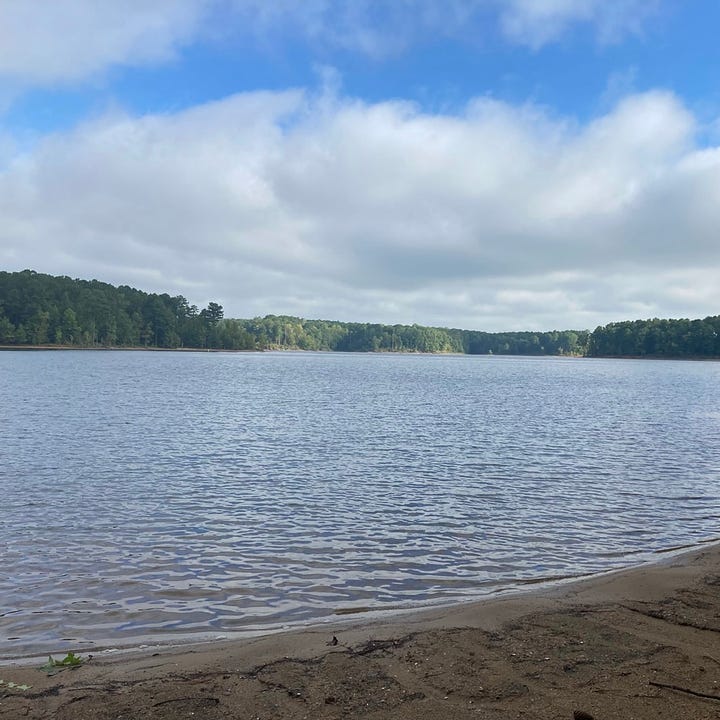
point(152, 496)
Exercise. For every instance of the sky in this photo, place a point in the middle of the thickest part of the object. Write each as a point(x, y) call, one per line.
point(483, 164)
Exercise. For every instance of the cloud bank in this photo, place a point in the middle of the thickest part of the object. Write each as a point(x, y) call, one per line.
point(500, 218)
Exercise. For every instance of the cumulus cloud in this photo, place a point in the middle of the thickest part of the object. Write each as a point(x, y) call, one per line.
point(321, 206)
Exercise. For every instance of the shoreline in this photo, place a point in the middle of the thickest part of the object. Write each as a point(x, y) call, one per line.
point(342, 616)
point(639, 642)
point(571, 356)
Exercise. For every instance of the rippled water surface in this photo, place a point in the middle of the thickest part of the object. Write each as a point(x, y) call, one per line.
point(159, 496)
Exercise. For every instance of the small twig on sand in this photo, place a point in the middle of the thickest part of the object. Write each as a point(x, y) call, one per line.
point(202, 700)
point(688, 691)
point(656, 615)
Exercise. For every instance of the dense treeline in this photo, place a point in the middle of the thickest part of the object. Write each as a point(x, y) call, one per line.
point(275, 331)
point(658, 339)
point(37, 309)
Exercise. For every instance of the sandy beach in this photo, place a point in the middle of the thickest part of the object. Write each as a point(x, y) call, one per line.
point(638, 643)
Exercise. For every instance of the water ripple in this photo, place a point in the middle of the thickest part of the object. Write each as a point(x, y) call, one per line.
point(162, 496)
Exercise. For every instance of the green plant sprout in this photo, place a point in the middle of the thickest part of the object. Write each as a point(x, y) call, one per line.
point(52, 666)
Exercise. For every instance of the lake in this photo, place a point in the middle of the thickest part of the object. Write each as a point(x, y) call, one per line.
point(167, 496)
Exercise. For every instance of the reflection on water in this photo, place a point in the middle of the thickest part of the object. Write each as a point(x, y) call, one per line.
point(172, 495)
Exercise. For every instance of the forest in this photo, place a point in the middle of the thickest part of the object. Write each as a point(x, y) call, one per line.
point(37, 309)
point(46, 310)
point(657, 339)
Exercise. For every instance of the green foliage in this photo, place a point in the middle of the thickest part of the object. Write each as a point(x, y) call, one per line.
point(278, 332)
point(41, 309)
point(52, 666)
point(658, 339)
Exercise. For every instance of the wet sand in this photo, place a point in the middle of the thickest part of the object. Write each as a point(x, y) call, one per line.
point(640, 643)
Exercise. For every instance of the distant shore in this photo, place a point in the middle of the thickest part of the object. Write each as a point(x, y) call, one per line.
point(640, 643)
point(103, 348)
point(699, 358)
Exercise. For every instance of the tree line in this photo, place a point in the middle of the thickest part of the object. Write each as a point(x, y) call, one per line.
point(38, 309)
point(282, 331)
point(657, 339)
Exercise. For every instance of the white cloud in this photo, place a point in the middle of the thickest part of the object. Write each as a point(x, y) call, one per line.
point(502, 218)
point(69, 40)
point(538, 22)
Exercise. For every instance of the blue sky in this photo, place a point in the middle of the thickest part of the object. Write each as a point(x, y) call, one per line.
point(490, 164)
point(579, 73)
